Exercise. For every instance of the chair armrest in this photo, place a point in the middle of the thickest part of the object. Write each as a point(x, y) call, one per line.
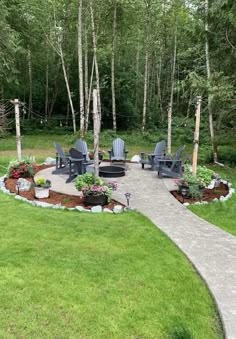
point(76, 159)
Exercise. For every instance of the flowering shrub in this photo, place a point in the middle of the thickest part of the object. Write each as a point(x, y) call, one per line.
point(25, 168)
point(42, 182)
point(88, 184)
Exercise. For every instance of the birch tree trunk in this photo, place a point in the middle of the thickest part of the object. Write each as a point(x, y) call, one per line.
point(210, 96)
point(146, 65)
point(137, 76)
point(68, 89)
point(159, 68)
point(96, 132)
point(89, 97)
point(170, 106)
point(145, 92)
point(80, 68)
point(95, 57)
point(30, 82)
point(113, 68)
point(86, 79)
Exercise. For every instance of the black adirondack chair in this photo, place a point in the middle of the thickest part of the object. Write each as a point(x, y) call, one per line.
point(118, 151)
point(171, 167)
point(77, 164)
point(152, 159)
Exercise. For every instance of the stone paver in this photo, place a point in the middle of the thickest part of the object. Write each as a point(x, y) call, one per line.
point(210, 249)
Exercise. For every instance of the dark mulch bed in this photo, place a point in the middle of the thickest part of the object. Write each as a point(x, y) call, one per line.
point(208, 195)
point(66, 200)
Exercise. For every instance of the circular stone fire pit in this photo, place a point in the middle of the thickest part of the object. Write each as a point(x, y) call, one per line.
point(111, 171)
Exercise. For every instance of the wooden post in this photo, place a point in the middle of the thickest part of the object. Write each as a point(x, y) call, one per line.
point(169, 115)
point(196, 135)
point(18, 136)
point(96, 131)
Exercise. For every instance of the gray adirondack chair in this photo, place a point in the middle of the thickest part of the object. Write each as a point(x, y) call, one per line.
point(171, 167)
point(82, 147)
point(62, 160)
point(118, 151)
point(77, 164)
point(152, 159)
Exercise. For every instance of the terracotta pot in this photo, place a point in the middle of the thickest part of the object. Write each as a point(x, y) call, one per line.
point(41, 192)
point(95, 200)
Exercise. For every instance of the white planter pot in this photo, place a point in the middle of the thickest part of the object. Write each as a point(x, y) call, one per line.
point(41, 192)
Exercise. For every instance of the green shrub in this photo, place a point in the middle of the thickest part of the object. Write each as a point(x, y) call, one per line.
point(204, 174)
point(227, 155)
point(205, 155)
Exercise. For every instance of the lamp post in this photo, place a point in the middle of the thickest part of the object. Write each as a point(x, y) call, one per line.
point(184, 192)
point(127, 196)
point(18, 187)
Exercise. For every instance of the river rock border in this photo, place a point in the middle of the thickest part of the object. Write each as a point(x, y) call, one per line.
point(95, 209)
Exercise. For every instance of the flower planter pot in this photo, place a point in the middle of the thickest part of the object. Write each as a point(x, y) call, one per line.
point(41, 192)
point(95, 200)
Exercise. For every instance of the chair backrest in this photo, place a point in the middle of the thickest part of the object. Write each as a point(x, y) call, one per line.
point(177, 156)
point(61, 153)
point(118, 148)
point(75, 154)
point(160, 148)
point(82, 147)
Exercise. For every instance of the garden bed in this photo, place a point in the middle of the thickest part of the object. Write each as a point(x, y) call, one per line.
point(69, 201)
point(207, 194)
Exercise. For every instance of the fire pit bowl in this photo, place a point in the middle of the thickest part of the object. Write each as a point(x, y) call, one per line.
point(111, 171)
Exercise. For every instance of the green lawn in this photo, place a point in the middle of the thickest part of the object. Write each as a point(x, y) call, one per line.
point(221, 214)
point(71, 275)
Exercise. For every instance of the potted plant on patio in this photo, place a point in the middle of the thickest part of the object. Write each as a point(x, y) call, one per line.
point(94, 190)
point(41, 187)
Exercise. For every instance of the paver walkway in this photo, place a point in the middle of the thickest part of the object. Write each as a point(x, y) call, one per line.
point(210, 249)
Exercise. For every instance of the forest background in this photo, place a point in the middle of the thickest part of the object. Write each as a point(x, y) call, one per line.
point(148, 59)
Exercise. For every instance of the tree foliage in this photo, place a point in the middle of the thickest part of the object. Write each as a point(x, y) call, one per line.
point(43, 26)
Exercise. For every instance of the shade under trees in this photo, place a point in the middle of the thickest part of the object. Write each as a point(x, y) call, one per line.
point(147, 59)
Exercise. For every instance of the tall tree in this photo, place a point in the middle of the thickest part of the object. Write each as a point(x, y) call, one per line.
point(80, 67)
point(113, 66)
point(170, 106)
point(210, 97)
point(95, 58)
point(147, 37)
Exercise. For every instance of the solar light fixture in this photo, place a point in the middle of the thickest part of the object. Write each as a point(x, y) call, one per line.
point(184, 192)
point(18, 187)
point(127, 196)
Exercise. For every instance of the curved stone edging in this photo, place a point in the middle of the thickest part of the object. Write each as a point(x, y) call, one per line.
point(95, 209)
point(221, 198)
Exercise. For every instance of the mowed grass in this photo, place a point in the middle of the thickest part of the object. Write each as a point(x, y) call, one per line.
point(221, 214)
point(70, 275)
point(43, 144)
